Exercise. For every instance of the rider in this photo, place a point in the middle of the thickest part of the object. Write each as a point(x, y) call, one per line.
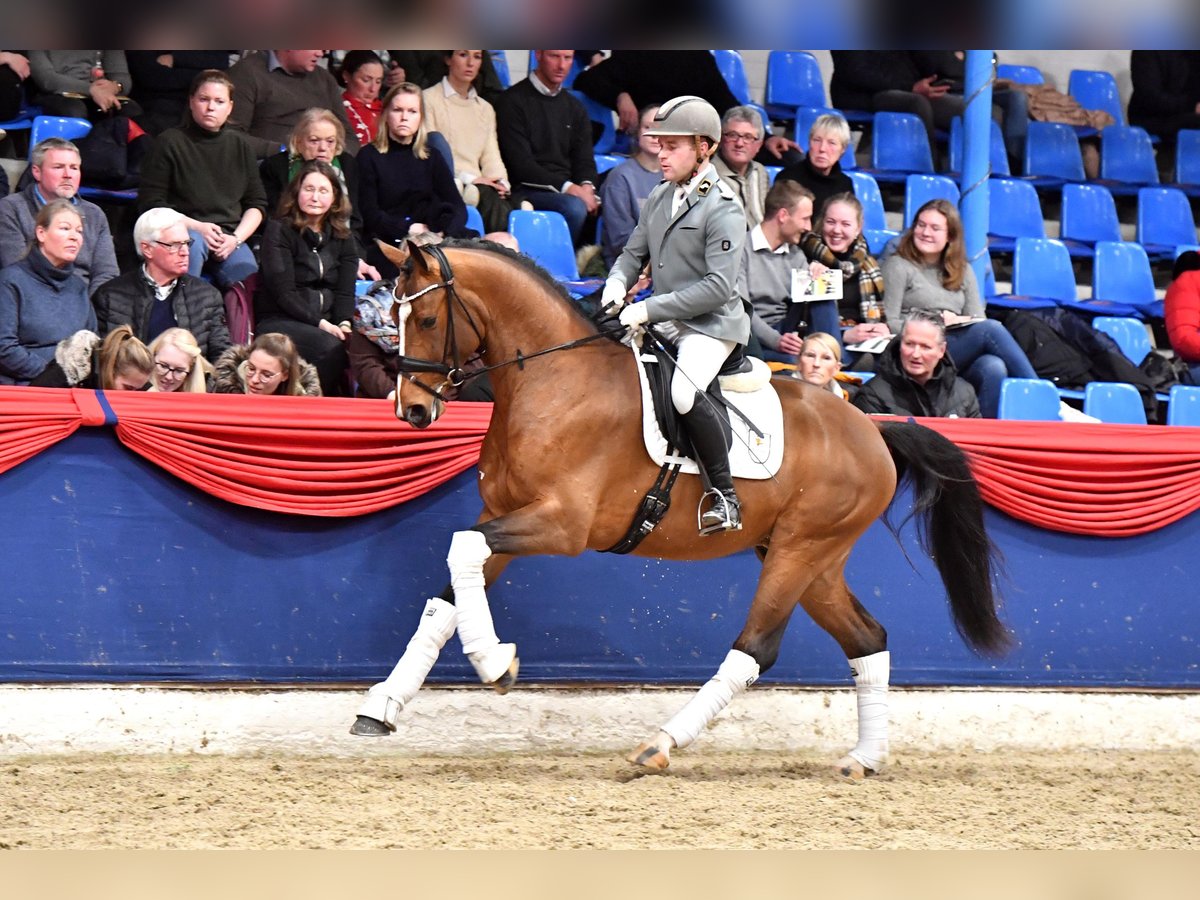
point(691, 230)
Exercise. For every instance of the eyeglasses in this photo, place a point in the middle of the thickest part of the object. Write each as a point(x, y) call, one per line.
point(176, 246)
point(170, 371)
point(253, 374)
point(735, 137)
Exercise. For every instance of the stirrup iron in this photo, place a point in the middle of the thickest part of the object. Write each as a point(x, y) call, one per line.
point(724, 515)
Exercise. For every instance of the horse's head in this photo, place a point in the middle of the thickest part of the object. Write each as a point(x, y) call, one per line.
point(438, 333)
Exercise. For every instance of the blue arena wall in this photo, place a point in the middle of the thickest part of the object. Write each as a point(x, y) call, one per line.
point(115, 571)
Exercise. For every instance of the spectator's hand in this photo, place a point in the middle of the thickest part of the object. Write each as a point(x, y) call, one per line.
point(586, 193)
point(225, 246)
point(627, 114)
point(15, 61)
point(777, 145)
point(104, 93)
point(329, 328)
point(394, 76)
point(417, 228)
point(493, 183)
point(790, 343)
point(816, 270)
point(926, 88)
point(166, 59)
point(366, 271)
point(856, 334)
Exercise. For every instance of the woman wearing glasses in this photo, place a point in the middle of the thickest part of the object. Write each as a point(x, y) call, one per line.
point(160, 294)
point(270, 365)
point(209, 173)
point(178, 363)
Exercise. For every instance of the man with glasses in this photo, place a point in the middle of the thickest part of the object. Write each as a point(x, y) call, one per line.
point(160, 294)
point(54, 167)
point(741, 139)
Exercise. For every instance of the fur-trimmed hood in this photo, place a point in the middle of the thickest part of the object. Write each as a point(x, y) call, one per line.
point(227, 379)
point(75, 362)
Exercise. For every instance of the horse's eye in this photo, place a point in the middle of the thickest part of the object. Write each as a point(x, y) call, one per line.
point(429, 322)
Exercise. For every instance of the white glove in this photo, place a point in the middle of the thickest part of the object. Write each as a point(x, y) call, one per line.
point(635, 315)
point(613, 297)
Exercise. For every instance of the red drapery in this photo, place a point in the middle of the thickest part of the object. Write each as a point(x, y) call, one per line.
point(336, 457)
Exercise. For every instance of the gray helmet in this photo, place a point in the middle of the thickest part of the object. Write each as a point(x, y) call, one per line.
point(687, 115)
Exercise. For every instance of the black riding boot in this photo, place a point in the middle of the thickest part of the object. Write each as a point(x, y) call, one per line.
point(707, 434)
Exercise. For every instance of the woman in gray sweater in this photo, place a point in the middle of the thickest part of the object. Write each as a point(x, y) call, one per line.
point(929, 271)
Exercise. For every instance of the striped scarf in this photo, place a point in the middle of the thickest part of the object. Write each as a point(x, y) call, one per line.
point(858, 261)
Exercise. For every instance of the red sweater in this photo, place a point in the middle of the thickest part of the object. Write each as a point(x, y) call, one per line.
point(1183, 316)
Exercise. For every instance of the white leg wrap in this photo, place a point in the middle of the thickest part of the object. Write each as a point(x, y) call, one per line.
point(491, 659)
point(871, 674)
point(737, 673)
point(386, 699)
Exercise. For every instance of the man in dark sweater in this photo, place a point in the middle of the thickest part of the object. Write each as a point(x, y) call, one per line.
point(272, 88)
point(546, 142)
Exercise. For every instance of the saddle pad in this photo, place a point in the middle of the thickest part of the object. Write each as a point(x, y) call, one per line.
point(750, 456)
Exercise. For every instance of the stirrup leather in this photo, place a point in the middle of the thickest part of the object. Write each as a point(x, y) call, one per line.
point(725, 514)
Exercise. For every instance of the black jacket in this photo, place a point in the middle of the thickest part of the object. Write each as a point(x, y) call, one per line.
point(274, 171)
point(198, 306)
point(945, 395)
point(306, 276)
point(1166, 83)
point(858, 75)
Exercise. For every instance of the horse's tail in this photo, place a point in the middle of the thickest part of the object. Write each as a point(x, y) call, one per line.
point(949, 514)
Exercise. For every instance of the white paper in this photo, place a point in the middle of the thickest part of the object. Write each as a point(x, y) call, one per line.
point(828, 286)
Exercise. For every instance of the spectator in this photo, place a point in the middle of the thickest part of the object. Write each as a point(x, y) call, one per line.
point(42, 299)
point(1182, 304)
point(839, 243)
point(374, 345)
point(179, 364)
point(162, 83)
point(428, 67)
point(362, 74)
point(929, 271)
point(741, 138)
point(771, 259)
point(821, 169)
point(160, 294)
point(54, 166)
point(819, 362)
point(208, 172)
point(273, 88)
point(406, 189)
point(14, 70)
point(269, 365)
point(915, 377)
point(455, 109)
point(119, 362)
point(545, 140)
point(86, 84)
point(1166, 91)
point(310, 259)
point(627, 186)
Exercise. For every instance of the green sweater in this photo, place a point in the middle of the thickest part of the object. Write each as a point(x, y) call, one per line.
point(204, 175)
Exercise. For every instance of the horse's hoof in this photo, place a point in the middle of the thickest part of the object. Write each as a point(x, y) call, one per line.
point(365, 726)
point(496, 666)
point(650, 756)
point(504, 683)
point(852, 770)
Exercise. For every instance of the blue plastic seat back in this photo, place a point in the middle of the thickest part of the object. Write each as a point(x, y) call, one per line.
point(1014, 209)
point(610, 140)
point(1096, 90)
point(545, 236)
point(1130, 335)
point(794, 80)
point(1089, 214)
point(1115, 402)
point(475, 220)
point(1183, 407)
point(606, 161)
point(899, 143)
point(1020, 74)
point(1031, 399)
point(1042, 268)
point(997, 152)
point(66, 127)
point(805, 116)
point(733, 69)
point(920, 189)
point(1187, 157)
point(1127, 155)
point(1052, 149)
point(500, 64)
point(1164, 216)
point(1122, 273)
point(866, 189)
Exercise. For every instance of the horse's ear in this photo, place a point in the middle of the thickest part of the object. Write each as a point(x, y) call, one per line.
point(400, 255)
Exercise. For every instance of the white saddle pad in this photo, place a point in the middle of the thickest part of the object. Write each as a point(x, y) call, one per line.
point(750, 456)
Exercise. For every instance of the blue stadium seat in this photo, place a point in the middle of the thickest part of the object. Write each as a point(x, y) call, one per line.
point(1126, 159)
point(866, 189)
point(1089, 214)
point(1014, 211)
point(1130, 335)
point(1164, 221)
point(70, 128)
point(1031, 399)
point(475, 220)
point(1183, 407)
point(734, 71)
point(899, 147)
point(1020, 74)
point(1114, 402)
point(920, 189)
point(793, 81)
point(545, 236)
point(997, 154)
point(1096, 90)
point(1122, 283)
point(500, 64)
point(878, 239)
point(773, 172)
point(1042, 275)
point(1181, 249)
point(606, 161)
point(805, 116)
point(1052, 155)
point(610, 140)
point(1187, 162)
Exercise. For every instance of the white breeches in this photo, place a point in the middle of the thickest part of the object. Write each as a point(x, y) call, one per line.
point(700, 359)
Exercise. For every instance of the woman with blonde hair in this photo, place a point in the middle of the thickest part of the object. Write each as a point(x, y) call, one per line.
point(120, 362)
point(819, 362)
point(178, 363)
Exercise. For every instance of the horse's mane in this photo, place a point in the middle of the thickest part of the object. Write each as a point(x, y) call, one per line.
point(548, 281)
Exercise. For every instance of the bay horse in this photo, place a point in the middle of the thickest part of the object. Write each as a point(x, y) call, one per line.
point(563, 467)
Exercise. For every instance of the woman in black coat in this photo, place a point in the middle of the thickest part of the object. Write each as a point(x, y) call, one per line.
point(309, 262)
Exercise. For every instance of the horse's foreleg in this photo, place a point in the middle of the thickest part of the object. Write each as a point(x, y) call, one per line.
point(495, 663)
